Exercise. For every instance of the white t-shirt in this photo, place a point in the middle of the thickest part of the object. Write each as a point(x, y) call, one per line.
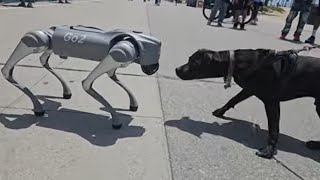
point(315, 3)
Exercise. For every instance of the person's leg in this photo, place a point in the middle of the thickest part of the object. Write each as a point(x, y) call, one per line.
point(255, 8)
point(222, 12)
point(303, 18)
point(217, 4)
point(316, 25)
point(244, 16)
point(22, 3)
point(292, 14)
point(236, 18)
point(30, 4)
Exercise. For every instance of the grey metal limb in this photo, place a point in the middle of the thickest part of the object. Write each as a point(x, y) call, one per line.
point(120, 54)
point(21, 51)
point(133, 100)
point(44, 58)
point(103, 67)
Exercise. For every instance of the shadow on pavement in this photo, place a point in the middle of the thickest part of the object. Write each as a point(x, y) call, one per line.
point(94, 128)
point(242, 132)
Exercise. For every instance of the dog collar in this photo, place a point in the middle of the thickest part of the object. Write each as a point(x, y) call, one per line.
point(228, 78)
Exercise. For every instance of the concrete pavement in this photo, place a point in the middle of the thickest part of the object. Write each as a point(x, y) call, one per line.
point(75, 139)
point(204, 147)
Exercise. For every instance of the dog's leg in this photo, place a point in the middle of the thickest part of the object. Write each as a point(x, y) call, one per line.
point(315, 145)
point(273, 115)
point(44, 61)
point(133, 100)
point(241, 96)
point(33, 42)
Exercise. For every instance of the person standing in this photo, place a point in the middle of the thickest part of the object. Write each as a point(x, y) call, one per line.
point(222, 6)
point(314, 19)
point(23, 4)
point(157, 2)
point(299, 6)
point(257, 5)
point(66, 1)
point(241, 8)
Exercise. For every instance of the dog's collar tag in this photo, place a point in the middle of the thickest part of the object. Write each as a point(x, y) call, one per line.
point(228, 78)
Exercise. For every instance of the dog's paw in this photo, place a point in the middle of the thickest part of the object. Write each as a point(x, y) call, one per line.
point(314, 145)
point(267, 152)
point(219, 112)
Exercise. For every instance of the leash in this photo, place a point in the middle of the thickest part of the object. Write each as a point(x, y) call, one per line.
point(306, 48)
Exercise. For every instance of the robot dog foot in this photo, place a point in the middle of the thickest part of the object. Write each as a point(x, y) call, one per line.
point(116, 126)
point(67, 96)
point(134, 108)
point(41, 113)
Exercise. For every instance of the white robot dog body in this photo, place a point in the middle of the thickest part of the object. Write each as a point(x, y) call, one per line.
point(113, 49)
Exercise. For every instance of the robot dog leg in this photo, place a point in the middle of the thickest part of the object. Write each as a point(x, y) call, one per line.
point(44, 58)
point(122, 52)
point(133, 100)
point(32, 42)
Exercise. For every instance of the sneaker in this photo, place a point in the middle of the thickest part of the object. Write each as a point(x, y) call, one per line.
point(22, 4)
point(296, 37)
point(235, 25)
point(30, 5)
point(219, 25)
point(242, 26)
point(311, 40)
point(253, 23)
point(283, 35)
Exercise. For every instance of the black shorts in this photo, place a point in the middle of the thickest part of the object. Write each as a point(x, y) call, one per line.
point(314, 16)
point(240, 4)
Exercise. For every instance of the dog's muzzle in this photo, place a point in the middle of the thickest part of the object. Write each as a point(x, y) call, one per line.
point(183, 73)
point(150, 69)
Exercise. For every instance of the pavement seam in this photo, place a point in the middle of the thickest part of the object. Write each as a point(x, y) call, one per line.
point(162, 110)
point(286, 167)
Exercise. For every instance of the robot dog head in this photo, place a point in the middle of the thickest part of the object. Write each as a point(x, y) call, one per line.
point(203, 64)
point(150, 69)
point(149, 56)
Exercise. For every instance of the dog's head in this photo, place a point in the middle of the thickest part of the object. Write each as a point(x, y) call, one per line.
point(204, 64)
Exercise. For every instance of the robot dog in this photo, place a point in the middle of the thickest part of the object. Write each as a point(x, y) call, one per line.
point(113, 49)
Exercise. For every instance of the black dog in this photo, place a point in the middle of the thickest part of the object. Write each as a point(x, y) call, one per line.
point(269, 75)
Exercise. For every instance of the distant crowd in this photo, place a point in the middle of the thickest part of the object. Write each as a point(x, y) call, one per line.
point(30, 3)
point(308, 11)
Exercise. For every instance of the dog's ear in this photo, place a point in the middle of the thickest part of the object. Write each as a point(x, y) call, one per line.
point(217, 56)
point(209, 56)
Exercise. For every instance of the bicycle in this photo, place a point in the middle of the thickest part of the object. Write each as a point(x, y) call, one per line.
point(208, 5)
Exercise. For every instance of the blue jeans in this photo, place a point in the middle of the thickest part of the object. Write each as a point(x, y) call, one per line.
point(303, 17)
point(220, 5)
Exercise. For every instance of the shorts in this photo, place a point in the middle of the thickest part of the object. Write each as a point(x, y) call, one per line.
point(314, 16)
point(240, 4)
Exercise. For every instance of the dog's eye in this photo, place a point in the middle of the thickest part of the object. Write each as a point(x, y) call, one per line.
point(194, 65)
